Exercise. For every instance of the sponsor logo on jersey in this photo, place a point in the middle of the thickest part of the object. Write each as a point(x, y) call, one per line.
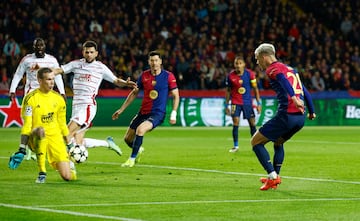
point(153, 94)
point(241, 90)
point(47, 118)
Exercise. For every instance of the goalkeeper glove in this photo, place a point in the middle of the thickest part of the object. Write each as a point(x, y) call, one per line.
point(17, 158)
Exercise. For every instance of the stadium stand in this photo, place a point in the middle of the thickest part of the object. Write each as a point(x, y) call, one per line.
point(199, 38)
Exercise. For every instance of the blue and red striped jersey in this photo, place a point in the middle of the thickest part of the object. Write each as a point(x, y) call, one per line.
point(240, 86)
point(285, 102)
point(156, 90)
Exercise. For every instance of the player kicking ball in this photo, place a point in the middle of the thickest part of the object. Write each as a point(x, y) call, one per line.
point(290, 116)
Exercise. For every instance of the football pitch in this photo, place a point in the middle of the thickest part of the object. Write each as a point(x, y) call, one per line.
point(188, 174)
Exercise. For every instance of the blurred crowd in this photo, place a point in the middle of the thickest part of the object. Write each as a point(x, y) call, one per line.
point(199, 39)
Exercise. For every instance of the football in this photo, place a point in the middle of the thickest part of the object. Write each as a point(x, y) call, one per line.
point(78, 154)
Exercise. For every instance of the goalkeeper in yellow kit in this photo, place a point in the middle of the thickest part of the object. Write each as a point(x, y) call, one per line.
point(44, 130)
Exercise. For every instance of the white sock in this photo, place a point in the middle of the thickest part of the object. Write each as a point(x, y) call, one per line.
point(273, 175)
point(91, 143)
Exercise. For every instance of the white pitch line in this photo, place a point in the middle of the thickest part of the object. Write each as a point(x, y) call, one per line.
point(66, 212)
point(230, 172)
point(249, 174)
point(234, 173)
point(45, 207)
point(204, 202)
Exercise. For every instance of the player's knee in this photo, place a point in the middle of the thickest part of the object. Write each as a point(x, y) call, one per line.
point(140, 131)
point(253, 143)
point(257, 138)
point(66, 176)
point(279, 142)
point(236, 121)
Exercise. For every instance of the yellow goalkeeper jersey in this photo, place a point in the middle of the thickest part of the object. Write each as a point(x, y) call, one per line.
point(45, 110)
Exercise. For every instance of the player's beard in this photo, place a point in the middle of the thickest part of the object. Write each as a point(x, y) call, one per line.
point(40, 54)
point(155, 69)
point(238, 72)
point(89, 60)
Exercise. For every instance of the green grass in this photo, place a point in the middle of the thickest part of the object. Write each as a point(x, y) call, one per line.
point(188, 174)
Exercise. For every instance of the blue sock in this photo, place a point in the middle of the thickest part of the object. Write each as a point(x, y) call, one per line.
point(278, 157)
point(136, 145)
point(252, 130)
point(235, 134)
point(263, 157)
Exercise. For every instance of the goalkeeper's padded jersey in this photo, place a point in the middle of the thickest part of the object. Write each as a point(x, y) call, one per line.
point(47, 110)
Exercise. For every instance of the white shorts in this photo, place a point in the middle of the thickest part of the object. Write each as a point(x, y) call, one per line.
point(83, 114)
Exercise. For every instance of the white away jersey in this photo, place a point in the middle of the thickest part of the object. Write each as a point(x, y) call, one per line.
point(30, 64)
point(87, 79)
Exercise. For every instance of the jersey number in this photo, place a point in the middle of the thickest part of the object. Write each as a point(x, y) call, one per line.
point(296, 82)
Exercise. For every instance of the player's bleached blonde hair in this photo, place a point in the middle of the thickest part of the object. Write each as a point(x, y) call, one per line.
point(265, 48)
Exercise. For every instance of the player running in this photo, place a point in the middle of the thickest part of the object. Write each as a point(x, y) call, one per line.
point(88, 75)
point(156, 84)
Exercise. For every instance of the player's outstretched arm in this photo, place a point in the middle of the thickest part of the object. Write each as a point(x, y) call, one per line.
point(57, 71)
point(60, 85)
point(14, 83)
point(122, 83)
point(130, 98)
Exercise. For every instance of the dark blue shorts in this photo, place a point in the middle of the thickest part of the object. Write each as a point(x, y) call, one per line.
point(248, 111)
point(155, 119)
point(282, 125)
